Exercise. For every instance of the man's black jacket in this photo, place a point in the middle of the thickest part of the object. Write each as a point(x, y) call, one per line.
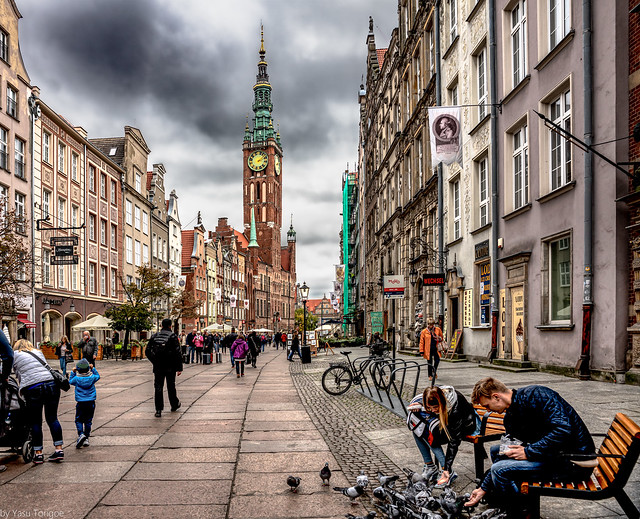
point(164, 352)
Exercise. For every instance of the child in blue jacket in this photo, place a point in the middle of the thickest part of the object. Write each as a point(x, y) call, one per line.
point(84, 378)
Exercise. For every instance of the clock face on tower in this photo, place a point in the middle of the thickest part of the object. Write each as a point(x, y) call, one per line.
point(258, 160)
point(277, 165)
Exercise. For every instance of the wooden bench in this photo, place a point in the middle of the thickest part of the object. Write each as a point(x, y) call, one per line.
point(617, 457)
point(491, 429)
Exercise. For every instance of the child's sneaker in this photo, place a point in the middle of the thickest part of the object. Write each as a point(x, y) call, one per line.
point(38, 459)
point(81, 441)
point(57, 456)
point(86, 442)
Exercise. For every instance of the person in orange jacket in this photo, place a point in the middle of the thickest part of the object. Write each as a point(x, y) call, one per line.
point(430, 338)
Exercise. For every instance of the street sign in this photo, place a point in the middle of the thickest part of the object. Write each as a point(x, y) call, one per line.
point(64, 260)
point(393, 287)
point(66, 240)
point(64, 250)
point(434, 279)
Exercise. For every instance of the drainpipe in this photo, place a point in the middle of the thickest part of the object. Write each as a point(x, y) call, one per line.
point(495, 218)
point(34, 113)
point(584, 369)
point(440, 172)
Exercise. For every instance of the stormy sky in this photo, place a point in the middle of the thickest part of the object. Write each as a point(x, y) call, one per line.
point(182, 72)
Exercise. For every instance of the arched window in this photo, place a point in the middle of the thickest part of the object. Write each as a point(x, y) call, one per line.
point(258, 191)
point(251, 198)
point(264, 213)
point(264, 191)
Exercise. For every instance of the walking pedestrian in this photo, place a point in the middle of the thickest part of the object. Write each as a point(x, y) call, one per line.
point(163, 350)
point(88, 347)
point(254, 347)
point(239, 350)
point(228, 341)
point(84, 377)
point(191, 347)
point(198, 341)
point(276, 340)
point(430, 339)
point(295, 347)
point(40, 391)
point(64, 354)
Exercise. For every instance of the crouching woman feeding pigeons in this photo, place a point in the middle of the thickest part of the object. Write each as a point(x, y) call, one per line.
point(440, 416)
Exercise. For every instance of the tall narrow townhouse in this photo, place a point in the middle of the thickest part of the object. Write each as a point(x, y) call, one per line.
point(175, 243)
point(212, 251)
point(400, 224)
point(465, 82)
point(159, 219)
point(16, 297)
point(131, 153)
point(564, 256)
point(77, 204)
point(194, 268)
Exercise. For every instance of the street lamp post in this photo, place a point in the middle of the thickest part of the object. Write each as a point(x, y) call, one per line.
point(306, 351)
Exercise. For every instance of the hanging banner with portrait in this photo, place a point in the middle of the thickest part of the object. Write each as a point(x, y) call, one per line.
point(246, 304)
point(340, 273)
point(445, 133)
point(217, 294)
point(232, 300)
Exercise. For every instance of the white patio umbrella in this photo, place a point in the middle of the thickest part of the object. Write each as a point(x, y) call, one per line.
point(97, 322)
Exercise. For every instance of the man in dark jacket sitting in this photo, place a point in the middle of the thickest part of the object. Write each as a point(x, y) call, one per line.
point(165, 354)
point(549, 429)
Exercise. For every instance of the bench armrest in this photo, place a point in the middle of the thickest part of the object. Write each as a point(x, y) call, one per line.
point(589, 456)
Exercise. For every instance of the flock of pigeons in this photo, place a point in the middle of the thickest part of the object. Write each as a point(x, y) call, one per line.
point(416, 501)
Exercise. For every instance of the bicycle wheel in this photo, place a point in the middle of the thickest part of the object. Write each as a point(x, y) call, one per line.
point(337, 380)
point(382, 375)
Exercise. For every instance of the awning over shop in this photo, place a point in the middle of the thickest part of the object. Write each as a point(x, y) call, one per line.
point(26, 322)
point(97, 322)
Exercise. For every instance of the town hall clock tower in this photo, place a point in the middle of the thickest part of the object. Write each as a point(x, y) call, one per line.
point(262, 170)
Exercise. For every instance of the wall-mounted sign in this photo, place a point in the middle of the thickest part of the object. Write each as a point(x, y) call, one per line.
point(393, 287)
point(64, 250)
point(482, 250)
point(67, 240)
point(434, 280)
point(377, 322)
point(467, 311)
point(64, 260)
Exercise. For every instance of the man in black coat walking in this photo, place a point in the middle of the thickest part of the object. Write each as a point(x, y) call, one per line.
point(88, 347)
point(165, 354)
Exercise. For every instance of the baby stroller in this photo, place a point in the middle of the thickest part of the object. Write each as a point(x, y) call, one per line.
point(15, 433)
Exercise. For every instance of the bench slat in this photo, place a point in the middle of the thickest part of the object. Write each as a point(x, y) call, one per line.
point(609, 447)
point(622, 431)
point(597, 472)
point(629, 425)
point(591, 485)
point(615, 443)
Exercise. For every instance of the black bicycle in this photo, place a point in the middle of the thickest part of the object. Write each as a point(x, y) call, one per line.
point(338, 378)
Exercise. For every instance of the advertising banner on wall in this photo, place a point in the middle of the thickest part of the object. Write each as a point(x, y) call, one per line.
point(246, 304)
point(218, 293)
point(232, 300)
point(340, 273)
point(446, 135)
point(377, 322)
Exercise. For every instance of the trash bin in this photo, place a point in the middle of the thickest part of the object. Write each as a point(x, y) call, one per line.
point(305, 354)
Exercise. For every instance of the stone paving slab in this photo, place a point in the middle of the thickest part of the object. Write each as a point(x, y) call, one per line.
point(213, 426)
point(275, 483)
point(198, 416)
point(291, 505)
point(275, 406)
point(184, 511)
point(76, 472)
point(56, 500)
point(219, 439)
point(283, 445)
point(169, 493)
point(142, 439)
point(181, 471)
point(281, 435)
point(284, 462)
point(104, 453)
point(269, 416)
point(279, 426)
point(187, 455)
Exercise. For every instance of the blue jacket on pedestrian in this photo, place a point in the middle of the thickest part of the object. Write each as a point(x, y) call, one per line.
point(6, 355)
point(85, 385)
point(547, 424)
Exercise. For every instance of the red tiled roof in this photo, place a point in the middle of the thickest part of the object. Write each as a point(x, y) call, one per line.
point(312, 304)
point(381, 53)
point(242, 239)
point(187, 248)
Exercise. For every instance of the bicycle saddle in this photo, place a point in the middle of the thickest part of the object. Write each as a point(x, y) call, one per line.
point(345, 352)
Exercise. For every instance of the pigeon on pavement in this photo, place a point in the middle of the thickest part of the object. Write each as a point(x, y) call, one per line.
point(387, 481)
point(370, 515)
point(293, 482)
point(351, 492)
point(362, 480)
point(325, 474)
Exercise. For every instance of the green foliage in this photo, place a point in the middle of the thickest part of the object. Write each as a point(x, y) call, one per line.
point(312, 320)
point(346, 342)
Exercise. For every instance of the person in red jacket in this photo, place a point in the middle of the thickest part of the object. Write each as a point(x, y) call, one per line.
point(430, 339)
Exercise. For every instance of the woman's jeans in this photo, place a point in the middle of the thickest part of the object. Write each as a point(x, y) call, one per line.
point(63, 365)
point(433, 362)
point(240, 366)
point(43, 396)
point(426, 450)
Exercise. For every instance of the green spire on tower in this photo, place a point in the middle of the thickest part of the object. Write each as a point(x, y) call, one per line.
point(253, 241)
point(262, 106)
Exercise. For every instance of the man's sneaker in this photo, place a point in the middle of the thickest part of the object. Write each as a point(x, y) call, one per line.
point(446, 481)
point(56, 456)
point(86, 442)
point(38, 459)
point(80, 441)
point(158, 414)
point(174, 409)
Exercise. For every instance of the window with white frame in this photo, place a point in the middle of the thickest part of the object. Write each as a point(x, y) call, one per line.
point(4, 46)
point(4, 200)
point(129, 249)
point(74, 277)
point(420, 162)
point(4, 157)
point(560, 148)
point(92, 179)
point(12, 101)
point(417, 78)
point(145, 223)
point(453, 95)
point(453, 19)
point(20, 146)
point(46, 203)
point(61, 280)
point(559, 279)
point(457, 220)
point(46, 147)
point(129, 279)
point(154, 245)
point(92, 227)
point(138, 252)
point(114, 192)
point(432, 52)
point(114, 277)
point(74, 166)
point(129, 212)
point(103, 232)
point(136, 217)
point(103, 186)
point(138, 183)
point(483, 192)
point(74, 215)
point(92, 278)
point(46, 266)
point(114, 239)
point(145, 253)
point(518, 42)
point(481, 69)
point(520, 168)
point(61, 150)
point(103, 280)
point(164, 250)
point(559, 21)
point(62, 211)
